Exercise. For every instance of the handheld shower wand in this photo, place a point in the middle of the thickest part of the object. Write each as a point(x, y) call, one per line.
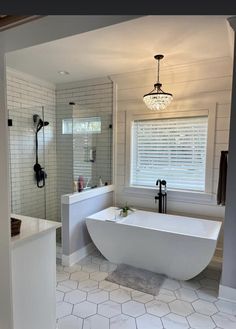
point(39, 123)
point(40, 174)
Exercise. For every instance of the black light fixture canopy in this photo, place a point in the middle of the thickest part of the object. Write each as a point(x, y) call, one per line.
point(157, 99)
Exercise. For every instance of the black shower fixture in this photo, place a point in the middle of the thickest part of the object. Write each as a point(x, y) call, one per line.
point(40, 174)
point(39, 123)
point(161, 195)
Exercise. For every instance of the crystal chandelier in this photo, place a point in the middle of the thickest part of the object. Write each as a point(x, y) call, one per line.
point(157, 99)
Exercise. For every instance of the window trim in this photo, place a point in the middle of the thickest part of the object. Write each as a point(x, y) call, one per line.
point(186, 111)
point(82, 118)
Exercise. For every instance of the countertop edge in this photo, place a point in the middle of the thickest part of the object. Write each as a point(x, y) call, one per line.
point(32, 233)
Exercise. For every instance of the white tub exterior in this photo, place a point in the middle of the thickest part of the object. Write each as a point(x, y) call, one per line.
point(179, 247)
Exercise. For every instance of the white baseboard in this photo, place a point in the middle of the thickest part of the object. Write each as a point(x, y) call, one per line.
point(69, 260)
point(227, 293)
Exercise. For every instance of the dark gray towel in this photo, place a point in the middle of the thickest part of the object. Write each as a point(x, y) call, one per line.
point(221, 191)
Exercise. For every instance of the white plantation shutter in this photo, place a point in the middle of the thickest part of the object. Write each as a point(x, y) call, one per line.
point(170, 149)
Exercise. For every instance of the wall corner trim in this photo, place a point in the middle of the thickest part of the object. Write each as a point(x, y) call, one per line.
point(232, 22)
point(227, 293)
point(69, 260)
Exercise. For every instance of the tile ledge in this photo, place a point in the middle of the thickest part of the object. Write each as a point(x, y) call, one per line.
point(77, 197)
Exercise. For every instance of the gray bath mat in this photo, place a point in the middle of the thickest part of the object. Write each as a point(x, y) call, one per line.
point(136, 278)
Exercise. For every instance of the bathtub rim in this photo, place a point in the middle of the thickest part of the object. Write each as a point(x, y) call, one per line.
point(121, 221)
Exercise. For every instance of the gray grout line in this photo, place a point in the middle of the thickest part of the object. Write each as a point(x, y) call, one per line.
point(173, 291)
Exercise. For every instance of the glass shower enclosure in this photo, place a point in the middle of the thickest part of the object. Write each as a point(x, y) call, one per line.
point(65, 145)
point(52, 148)
point(92, 147)
point(32, 145)
point(84, 148)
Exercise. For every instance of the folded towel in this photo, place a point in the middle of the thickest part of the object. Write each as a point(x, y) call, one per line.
point(221, 191)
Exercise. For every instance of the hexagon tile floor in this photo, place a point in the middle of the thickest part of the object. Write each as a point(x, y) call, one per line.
point(86, 301)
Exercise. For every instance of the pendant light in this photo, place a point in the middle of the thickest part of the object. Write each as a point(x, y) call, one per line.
point(157, 99)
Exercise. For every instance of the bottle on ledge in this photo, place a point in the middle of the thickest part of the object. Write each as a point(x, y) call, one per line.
point(80, 183)
point(100, 181)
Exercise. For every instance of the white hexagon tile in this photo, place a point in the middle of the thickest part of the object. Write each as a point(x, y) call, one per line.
point(85, 300)
point(109, 309)
point(85, 309)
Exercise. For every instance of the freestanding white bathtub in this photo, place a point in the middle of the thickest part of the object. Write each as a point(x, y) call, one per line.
point(179, 247)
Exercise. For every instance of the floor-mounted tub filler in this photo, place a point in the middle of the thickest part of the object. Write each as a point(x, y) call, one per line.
point(179, 247)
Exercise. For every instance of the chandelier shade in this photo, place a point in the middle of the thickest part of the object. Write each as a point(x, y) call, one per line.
point(157, 99)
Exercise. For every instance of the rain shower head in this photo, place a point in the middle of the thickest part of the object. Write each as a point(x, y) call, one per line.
point(38, 122)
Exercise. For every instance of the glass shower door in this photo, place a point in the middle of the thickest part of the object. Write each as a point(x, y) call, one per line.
point(27, 198)
point(92, 145)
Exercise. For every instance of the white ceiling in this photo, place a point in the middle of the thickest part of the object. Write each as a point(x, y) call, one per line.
point(126, 47)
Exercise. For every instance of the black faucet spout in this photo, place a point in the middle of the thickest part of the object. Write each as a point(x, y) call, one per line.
point(157, 182)
point(161, 195)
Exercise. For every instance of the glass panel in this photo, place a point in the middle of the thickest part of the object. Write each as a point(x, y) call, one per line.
point(64, 164)
point(26, 198)
point(92, 146)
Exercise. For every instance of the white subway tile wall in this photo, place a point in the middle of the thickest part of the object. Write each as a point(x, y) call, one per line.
point(26, 96)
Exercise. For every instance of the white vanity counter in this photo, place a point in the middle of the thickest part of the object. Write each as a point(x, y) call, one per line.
point(32, 228)
point(34, 274)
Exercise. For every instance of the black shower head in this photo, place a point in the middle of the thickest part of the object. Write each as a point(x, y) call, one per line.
point(39, 123)
point(36, 119)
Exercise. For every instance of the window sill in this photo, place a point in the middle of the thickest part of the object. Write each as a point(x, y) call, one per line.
point(173, 195)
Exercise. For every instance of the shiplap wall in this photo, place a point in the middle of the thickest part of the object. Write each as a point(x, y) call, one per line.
point(25, 96)
point(92, 98)
point(194, 84)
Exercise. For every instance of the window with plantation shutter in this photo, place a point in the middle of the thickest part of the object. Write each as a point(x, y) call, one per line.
point(173, 149)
